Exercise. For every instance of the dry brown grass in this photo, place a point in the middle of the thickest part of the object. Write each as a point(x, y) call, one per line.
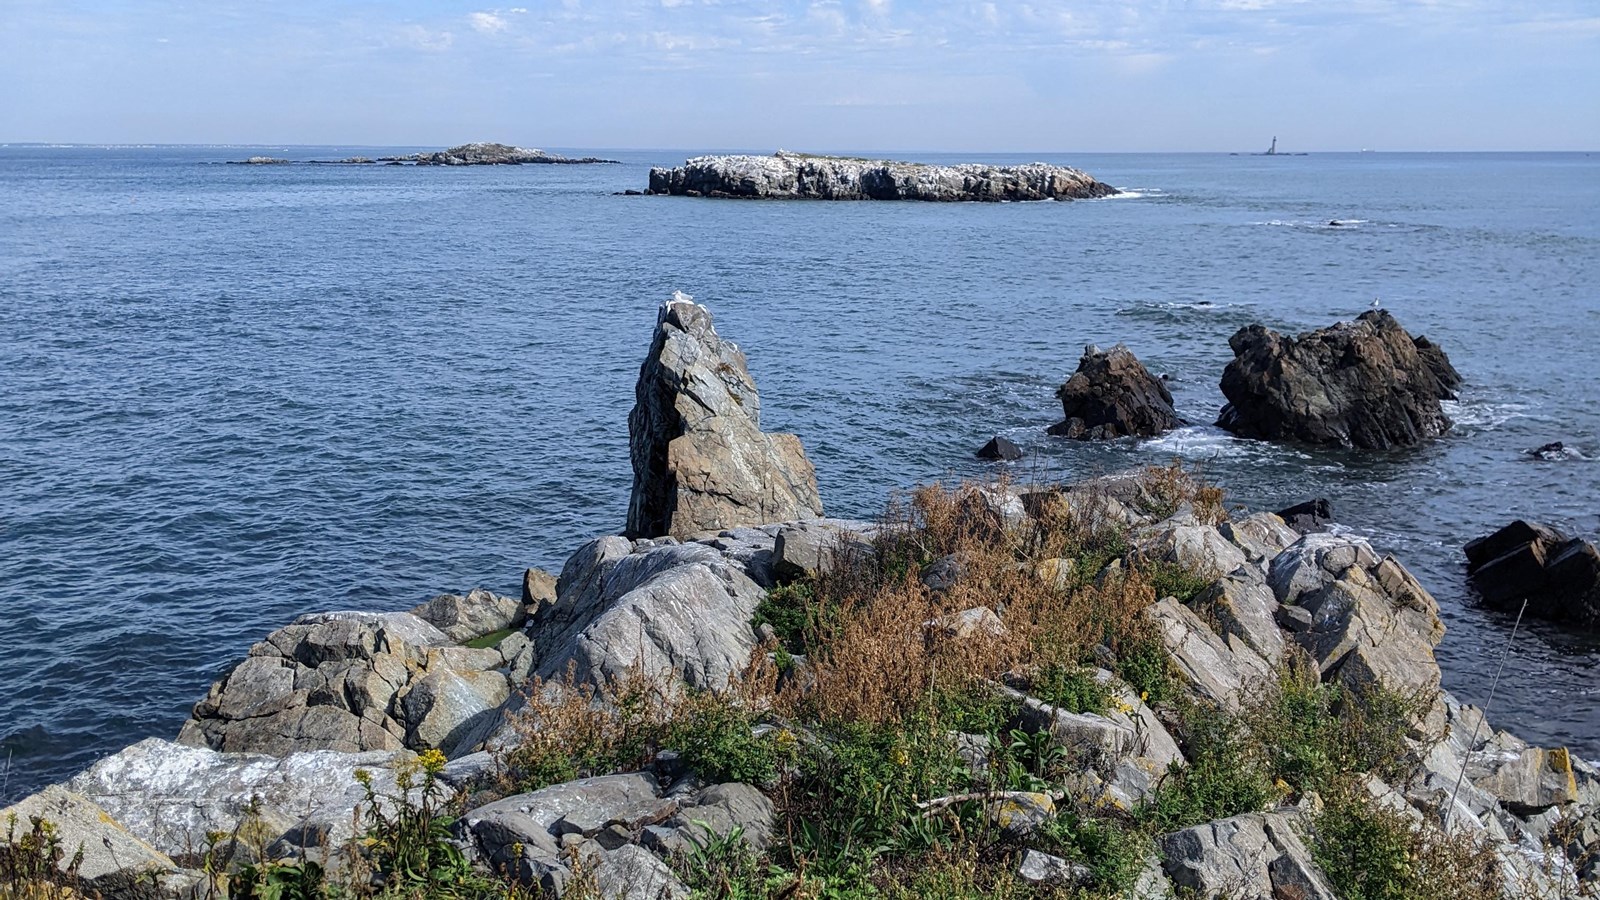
point(888, 649)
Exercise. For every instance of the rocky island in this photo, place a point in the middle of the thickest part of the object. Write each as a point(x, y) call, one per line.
point(1113, 688)
point(801, 176)
point(490, 154)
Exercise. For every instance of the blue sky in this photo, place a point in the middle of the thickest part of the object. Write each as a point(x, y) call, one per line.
point(1089, 75)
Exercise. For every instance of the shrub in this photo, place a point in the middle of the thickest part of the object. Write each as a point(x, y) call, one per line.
point(1225, 776)
point(1311, 733)
point(792, 611)
point(1370, 852)
point(1073, 689)
point(31, 863)
point(714, 736)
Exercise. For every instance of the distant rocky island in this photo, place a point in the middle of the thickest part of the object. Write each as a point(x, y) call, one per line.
point(802, 176)
point(475, 154)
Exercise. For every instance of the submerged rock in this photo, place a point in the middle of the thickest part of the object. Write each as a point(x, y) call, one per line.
point(1113, 395)
point(701, 462)
point(786, 175)
point(1558, 576)
point(1364, 384)
point(1000, 448)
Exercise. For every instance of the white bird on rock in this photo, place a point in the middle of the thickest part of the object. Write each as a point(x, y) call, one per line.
point(681, 297)
point(1376, 303)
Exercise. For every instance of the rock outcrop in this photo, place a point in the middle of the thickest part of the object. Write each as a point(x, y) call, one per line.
point(790, 176)
point(1559, 576)
point(678, 609)
point(1365, 384)
point(362, 681)
point(490, 154)
point(700, 460)
point(1113, 395)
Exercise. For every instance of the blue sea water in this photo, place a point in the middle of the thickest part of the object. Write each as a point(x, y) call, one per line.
point(233, 394)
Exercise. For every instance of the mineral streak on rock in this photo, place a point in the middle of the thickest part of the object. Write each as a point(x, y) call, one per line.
point(791, 176)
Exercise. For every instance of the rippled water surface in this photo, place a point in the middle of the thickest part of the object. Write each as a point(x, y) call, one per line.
point(233, 394)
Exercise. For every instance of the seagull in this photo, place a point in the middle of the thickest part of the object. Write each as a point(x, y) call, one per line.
point(681, 297)
point(1376, 303)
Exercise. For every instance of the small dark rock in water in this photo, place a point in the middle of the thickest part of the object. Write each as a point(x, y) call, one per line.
point(1335, 223)
point(1000, 448)
point(1553, 451)
point(1364, 384)
point(1113, 395)
point(1558, 576)
point(1312, 515)
point(630, 192)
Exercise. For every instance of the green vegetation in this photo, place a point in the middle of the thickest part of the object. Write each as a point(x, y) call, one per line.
point(1370, 852)
point(1071, 688)
point(490, 640)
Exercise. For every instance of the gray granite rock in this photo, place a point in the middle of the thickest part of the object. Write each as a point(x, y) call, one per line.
point(701, 462)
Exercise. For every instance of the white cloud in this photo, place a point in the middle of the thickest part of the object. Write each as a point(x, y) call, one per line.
point(424, 38)
point(487, 22)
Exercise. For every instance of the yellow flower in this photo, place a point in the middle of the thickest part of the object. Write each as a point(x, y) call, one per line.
point(363, 777)
point(432, 761)
point(900, 757)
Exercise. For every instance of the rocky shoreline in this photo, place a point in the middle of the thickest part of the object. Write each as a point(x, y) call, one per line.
point(798, 176)
point(1134, 692)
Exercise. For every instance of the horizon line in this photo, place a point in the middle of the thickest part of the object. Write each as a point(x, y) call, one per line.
point(746, 150)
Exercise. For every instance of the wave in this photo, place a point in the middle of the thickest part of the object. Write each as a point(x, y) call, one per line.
point(1135, 193)
point(1482, 414)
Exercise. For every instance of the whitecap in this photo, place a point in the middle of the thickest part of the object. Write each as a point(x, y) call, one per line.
point(1481, 413)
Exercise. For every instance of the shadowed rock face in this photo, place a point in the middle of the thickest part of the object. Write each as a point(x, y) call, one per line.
point(791, 176)
point(1364, 384)
point(1113, 395)
point(1558, 576)
point(700, 460)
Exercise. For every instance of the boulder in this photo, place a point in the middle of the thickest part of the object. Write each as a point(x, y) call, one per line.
point(811, 548)
point(1261, 535)
point(1209, 667)
point(538, 589)
point(700, 460)
point(116, 863)
point(1000, 448)
point(170, 795)
point(473, 616)
point(1370, 624)
point(1354, 384)
point(1312, 515)
point(720, 810)
point(521, 834)
point(1113, 395)
point(354, 682)
point(1245, 610)
point(786, 175)
point(1557, 575)
point(681, 610)
point(1051, 871)
point(1190, 545)
point(1253, 855)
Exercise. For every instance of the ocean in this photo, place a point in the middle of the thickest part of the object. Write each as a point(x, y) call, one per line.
point(233, 394)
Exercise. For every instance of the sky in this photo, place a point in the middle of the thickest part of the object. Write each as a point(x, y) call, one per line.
point(820, 75)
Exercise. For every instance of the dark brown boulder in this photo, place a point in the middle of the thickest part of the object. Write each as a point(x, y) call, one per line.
point(1001, 448)
point(1364, 384)
point(1113, 395)
point(1559, 576)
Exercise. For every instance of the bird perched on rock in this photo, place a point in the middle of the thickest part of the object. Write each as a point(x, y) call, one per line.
point(681, 297)
point(1376, 303)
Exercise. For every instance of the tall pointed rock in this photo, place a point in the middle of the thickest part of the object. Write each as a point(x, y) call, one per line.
point(700, 460)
